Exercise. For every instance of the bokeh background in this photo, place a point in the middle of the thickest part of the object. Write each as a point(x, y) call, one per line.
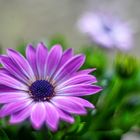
point(38, 20)
point(31, 20)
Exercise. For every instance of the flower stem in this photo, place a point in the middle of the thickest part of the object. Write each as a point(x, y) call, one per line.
point(108, 105)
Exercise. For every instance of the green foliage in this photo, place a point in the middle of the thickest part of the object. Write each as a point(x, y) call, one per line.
point(57, 39)
point(95, 58)
point(3, 135)
point(21, 48)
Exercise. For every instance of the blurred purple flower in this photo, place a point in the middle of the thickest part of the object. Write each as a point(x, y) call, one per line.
point(106, 30)
point(45, 86)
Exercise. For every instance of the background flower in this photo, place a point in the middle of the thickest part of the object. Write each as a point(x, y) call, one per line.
point(106, 30)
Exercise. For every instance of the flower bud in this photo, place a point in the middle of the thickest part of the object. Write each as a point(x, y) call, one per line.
point(126, 66)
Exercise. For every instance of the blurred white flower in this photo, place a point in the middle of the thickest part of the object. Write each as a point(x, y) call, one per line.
point(106, 30)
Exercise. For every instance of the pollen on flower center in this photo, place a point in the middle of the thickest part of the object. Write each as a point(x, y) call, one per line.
point(41, 90)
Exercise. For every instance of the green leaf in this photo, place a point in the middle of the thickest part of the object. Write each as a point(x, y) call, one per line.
point(21, 48)
point(58, 39)
point(74, 127)
point(3, 135)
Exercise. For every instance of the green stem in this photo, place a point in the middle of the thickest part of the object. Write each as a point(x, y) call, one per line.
point(108, 104)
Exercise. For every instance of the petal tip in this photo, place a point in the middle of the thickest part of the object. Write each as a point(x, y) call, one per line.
point(53, 128)
point(36, 126)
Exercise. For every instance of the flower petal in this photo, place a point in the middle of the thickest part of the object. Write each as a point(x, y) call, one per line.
point(67, 105)
point(21, 115)
point(7, 80)
point(70, 67)
point(22, 63)
point(31, 57)
point(4, 89)
point(41, 56)
point(38, 114)
point(79, 90)
point(13, 68)
point(53, 60)
point(14, 107)
point(78, 79)
point(87, 71)
point(52, 116)
point(65, 116)
point(8, 97)
point(66, 56)
point(79, 101)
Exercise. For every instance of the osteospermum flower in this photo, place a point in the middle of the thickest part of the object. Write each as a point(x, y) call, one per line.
point(46, 86)
point(106, 30)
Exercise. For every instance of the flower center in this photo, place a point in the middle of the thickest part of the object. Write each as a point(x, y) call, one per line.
point(41, 90)
point(106, 25)
point(107, 28)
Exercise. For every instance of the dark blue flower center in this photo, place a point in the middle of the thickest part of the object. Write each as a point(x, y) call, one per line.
point(41, 90)
point(107, 28)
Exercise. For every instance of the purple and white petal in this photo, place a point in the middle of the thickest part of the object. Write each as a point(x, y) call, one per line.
point(21, 115)
point(14, 107)
point(13, 68)
point(7, 97)
point(22, 63)
point(31, 58)
point(41, 57)
point(78, 90)
point(38, 114)
point(65, 116)
point(52, 116)
point(76, 100)
point(53, 59)
point(69, 68)
point(87, 71)
point(12, 82)
point(78, 79)
point(68, 106)
point(66, 56)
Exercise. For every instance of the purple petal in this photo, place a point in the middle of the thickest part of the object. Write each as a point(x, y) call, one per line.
point(78, 79)
point(103, 39)
point(70, 67)
point(31, 57)
point(13, 68)
point(14, 107)
point(87, 71)
point(41, 56)
point(53, 60)
point(52, 116)
point(4, 89)
point(68, 105)
point(79, 101)
point(79, 90)
point(38, 114)
point(66, 56)
point(22, 63)
point(21, 115)
point(8, 97)
point(65, 116)
point(11, 82)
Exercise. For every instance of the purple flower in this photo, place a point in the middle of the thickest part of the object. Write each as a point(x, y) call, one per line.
point(46, 86)
point(106, 30)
